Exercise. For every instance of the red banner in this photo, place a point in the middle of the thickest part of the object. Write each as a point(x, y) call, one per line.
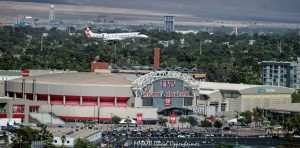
point(172, 119)
point(252, 119)
point(168, 102)
point(139, 118)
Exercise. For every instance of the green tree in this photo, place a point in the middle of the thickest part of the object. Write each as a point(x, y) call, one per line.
point(218, 124)
point(258, 114)
point(206, 123)
point(46, 136)
point(122, 140)
point(293, 123)
point(162, 121)
point(182, 120)
point(246, 117)
point(63, 140)
point(83, 143)
point(24, 137)
point(116, 119)
point(192, 120)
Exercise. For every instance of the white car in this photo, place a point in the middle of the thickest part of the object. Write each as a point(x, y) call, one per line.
point(181, 136)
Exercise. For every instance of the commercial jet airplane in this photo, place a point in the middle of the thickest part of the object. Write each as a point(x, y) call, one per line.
point(113, 36)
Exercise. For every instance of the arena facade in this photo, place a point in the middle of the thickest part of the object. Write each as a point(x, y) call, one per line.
point(98, 96)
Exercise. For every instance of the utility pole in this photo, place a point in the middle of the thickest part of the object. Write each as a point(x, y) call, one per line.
point(115, 46)
point(98, 114)
point(280, 46)
point(200, 49)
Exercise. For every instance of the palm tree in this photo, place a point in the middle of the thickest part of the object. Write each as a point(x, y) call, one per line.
point(122, 141)
point(19, 140)
point(63, 139)
point(162, 121)
point(115, 119)
point(46, 136)
point(127, 121)
point(182, 120)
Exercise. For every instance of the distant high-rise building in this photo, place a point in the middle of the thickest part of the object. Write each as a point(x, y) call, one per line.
point(281, 73)
point(51, 13)
point(169, 23)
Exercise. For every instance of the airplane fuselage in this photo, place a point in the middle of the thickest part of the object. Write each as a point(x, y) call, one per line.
point(114, 36)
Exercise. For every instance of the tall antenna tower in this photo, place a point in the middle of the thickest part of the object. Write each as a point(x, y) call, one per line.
point(51, 13)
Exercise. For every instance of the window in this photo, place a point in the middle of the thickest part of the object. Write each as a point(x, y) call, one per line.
point(223, 107)
point(147, 101)
point(188, 101)
point(68, 141)
point(231, 95)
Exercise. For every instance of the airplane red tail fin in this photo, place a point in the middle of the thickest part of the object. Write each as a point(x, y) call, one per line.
point(88, 32)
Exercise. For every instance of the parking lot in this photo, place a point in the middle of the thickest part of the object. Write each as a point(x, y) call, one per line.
point(173, 138)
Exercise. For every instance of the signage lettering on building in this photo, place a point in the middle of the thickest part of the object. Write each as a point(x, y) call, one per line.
point(265, 90)
point(168, 94)
point(168, 83)
point(199, 110)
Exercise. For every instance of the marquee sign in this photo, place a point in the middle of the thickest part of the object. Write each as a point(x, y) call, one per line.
point(168, 83)
point(168, 94)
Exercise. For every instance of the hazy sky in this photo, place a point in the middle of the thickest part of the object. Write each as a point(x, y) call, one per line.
point(274, 10)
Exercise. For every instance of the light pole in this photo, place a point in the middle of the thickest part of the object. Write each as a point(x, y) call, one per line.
point(51, 114)
point(237, 127)
point(222, 123)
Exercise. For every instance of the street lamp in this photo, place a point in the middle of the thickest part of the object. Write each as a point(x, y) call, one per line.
point(111, 115)
point(237, 127)
point(237, 118)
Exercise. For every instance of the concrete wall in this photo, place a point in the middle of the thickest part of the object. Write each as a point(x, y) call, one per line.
point(11, 102)
point(73, 90)
point(2, 86)
point(234, 104)
point(105, 112)
point(264, 100)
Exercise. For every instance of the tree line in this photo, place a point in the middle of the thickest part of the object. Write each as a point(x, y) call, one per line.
point(224, 57)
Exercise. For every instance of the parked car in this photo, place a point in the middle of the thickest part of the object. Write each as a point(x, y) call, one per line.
point(181, 136)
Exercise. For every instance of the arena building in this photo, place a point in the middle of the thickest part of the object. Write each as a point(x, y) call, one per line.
point(98, 96)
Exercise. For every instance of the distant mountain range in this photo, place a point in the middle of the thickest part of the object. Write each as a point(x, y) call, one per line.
point(259, 10)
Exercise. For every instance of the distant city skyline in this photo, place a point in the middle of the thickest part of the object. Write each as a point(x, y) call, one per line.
point(189, 12)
